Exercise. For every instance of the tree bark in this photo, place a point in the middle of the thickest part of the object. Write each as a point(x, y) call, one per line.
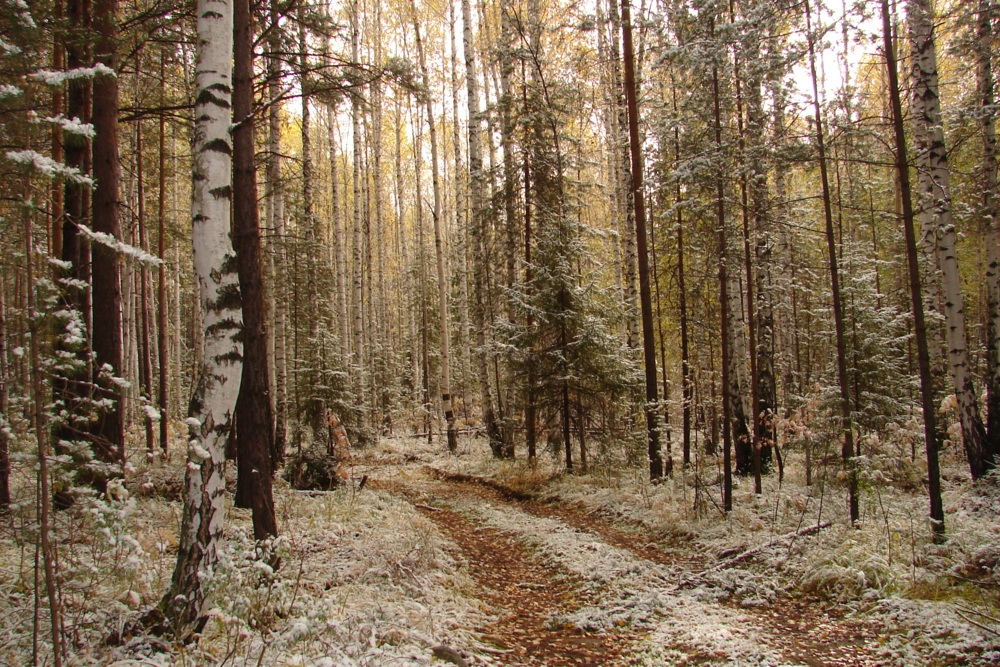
point(645, 297)
point(443, 283)
point(477, 219)
point(109, 430)
point(161, 286)
point(916, 293)
point(934, 210)
point(847, 452)
point(218, 380)
point(991, 221)
point(254, 435)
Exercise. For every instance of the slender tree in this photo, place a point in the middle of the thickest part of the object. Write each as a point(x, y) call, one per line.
point(847, 427)
point(913, 267)
point(443, 284)
point(645, 296)
point(254, 424)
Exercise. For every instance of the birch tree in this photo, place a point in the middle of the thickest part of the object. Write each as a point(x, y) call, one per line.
point(446, 406)
point(934, 211)
point(214, 401)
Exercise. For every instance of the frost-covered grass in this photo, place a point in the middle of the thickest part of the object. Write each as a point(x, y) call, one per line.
point(888, 570)
point(364, 580)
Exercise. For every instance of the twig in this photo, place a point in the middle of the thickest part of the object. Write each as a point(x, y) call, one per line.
point(427, 507)
point(977, 613)
point(978, 625)
point(978, 582)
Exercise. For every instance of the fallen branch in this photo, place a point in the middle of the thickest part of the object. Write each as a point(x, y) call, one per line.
point(750, 553)
point(427, 507)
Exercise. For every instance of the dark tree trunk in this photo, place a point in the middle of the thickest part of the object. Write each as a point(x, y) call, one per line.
point(645, 296)
point(145, 357)
point(254, 424)
point(916, 294)
point(4, 403)
point(161, 286)
point(847, 428)
point(109, 430)
point(70, 388)
point(726, 341)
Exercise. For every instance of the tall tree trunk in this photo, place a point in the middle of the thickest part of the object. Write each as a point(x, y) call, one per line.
point(161, 285)
point(916, 293)
point(218, 380)
point(443, 283)
point(275, 212)
point(109, 430)
point(645, 297)
point(991, 221)
point(725, 338)
point(477, 218)
point(847, 427)
point(934, 210)
point(4, 402)
point(313, 234)
point(623, 181)
point(358, 332)
point(145, 356)
point(254, 435)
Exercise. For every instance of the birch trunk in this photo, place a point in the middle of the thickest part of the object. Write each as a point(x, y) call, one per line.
point(991, 218)
point(477, 219)
point(934, 211)
point(275, 211)
point(358, 347)
point(443, 284)
point(214, 399)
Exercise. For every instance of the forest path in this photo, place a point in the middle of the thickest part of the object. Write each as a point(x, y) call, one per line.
point(569, 587)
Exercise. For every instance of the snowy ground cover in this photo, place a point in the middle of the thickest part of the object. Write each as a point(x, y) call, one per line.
point(364, 580)
point(636, 592)
point(888, 571)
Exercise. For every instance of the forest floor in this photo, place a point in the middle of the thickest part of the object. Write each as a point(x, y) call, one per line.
point(516, 565)
point(528, 593)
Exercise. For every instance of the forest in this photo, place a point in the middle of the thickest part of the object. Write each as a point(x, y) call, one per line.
point(499, 332)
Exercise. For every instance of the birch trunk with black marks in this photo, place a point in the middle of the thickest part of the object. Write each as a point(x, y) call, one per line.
point(934, 212)
point(991, 220)
point(217, 385)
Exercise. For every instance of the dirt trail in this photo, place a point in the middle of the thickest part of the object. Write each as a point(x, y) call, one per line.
point(525, 591)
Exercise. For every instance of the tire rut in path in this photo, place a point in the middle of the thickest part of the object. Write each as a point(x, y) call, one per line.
point(522, 591)
point(807, 632)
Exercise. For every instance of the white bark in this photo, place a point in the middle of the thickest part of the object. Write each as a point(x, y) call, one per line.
point(477, 201)
point(935, 212)
point(443, 284)
point(219, 380)
point(358, 330)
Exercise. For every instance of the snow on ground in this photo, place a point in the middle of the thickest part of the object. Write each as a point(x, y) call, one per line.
point(635, 592)
point(365, 581)
point(888, 571)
